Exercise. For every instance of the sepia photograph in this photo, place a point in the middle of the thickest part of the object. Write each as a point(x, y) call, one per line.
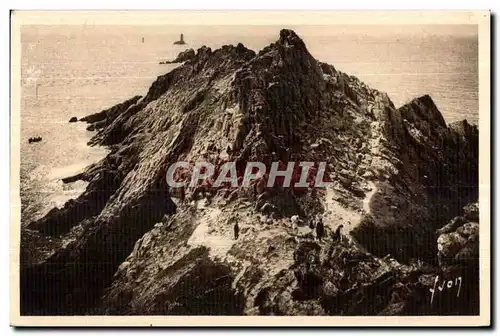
point(250, 168)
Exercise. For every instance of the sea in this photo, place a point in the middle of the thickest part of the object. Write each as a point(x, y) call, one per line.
point(71, 71)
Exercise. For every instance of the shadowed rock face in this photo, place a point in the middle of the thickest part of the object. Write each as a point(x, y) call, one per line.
point(398, 175)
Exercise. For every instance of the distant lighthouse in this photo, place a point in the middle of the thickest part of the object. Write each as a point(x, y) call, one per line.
point(181, 41)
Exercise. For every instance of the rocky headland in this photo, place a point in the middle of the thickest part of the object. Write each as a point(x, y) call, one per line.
point(401, 179)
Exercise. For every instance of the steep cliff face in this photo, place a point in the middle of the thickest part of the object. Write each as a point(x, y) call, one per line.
point(143, 248)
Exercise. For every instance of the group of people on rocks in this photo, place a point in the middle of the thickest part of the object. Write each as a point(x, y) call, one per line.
point(314, 224)
point(318, 226)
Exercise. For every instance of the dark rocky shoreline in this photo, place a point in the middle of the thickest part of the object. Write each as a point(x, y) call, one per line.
point(400, 175)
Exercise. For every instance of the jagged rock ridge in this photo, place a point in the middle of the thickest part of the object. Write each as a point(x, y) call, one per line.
point(398, 175)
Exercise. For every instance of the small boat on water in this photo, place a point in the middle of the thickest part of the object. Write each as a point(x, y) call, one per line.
point(35, 139)
point(181, 41)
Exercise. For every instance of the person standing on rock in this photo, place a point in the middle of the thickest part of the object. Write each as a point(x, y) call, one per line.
point(312, 224)
point(295, 224)
point(236, 230)
point(337, 235)
point(236, 227)
point(320, 229)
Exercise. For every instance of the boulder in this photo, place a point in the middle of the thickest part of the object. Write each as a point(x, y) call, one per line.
point(471, 212)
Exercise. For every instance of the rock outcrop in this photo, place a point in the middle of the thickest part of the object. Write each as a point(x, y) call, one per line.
point(435, 173)
point(143, 248)
point(458, 254)
point(102, 119)
point(73, 119)
point(452, 287)
point(183, 56)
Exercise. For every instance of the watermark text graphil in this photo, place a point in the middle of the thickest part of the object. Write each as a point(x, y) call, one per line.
point(233, 174)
